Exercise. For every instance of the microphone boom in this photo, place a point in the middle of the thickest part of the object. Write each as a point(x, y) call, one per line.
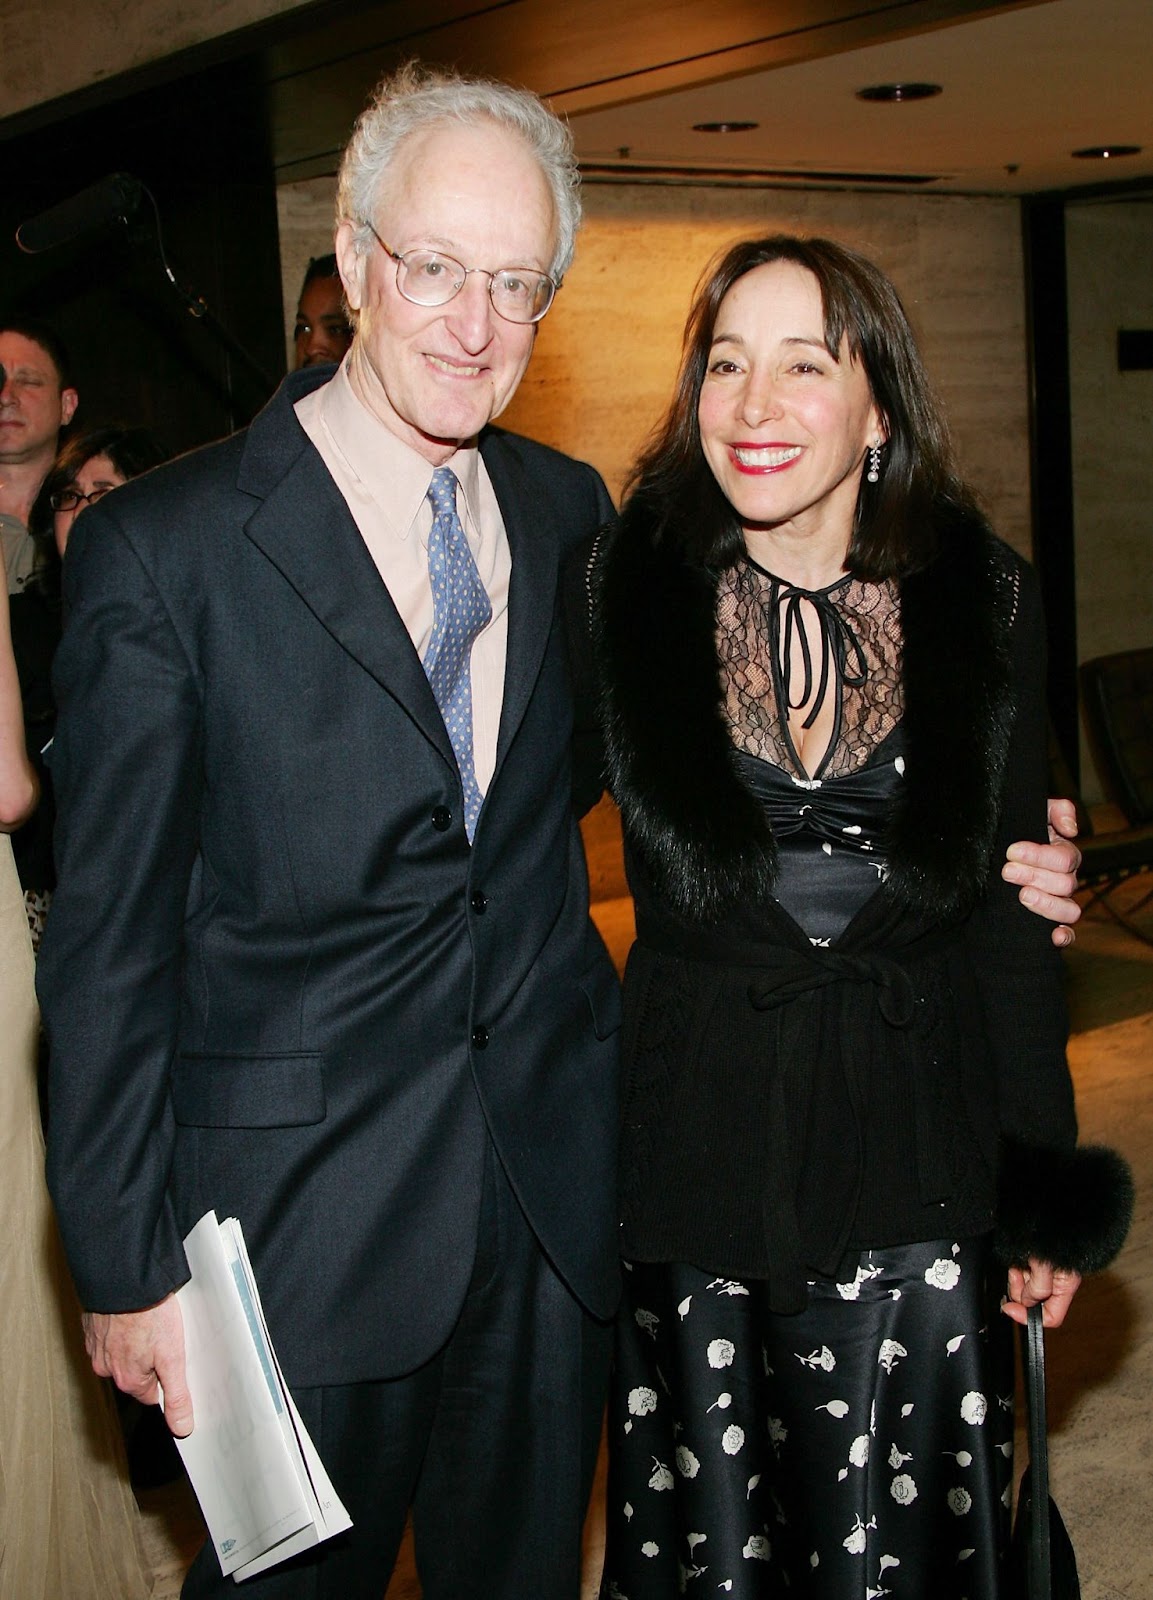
point(113, 199)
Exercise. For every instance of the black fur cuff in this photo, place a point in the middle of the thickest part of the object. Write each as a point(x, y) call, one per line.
point(1071, 1208)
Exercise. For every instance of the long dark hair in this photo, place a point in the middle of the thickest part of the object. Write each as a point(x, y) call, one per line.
point(894, 521)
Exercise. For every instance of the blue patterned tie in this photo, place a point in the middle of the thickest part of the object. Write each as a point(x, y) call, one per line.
point(460, 609)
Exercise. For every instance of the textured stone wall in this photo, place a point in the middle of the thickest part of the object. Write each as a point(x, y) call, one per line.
point(1109, 249)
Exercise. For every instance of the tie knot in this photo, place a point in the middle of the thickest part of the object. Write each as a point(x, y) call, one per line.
point(442, 490)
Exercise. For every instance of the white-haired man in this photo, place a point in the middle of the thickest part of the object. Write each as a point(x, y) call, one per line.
point(320, 957)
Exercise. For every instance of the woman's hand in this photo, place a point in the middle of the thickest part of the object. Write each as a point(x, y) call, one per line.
point(1042, 1284)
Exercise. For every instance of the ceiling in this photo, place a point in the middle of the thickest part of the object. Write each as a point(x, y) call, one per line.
point(1024, 84)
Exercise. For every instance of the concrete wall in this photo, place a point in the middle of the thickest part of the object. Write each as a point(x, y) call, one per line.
point(1110, 265)
point(305, 211)
point(608, 351)
point(54, 47)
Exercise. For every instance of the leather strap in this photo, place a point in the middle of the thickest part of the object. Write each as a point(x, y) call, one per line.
point(1039, 1561)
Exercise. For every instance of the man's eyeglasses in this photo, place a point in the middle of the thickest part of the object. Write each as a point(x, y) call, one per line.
point(69, 499)
point(428, 278)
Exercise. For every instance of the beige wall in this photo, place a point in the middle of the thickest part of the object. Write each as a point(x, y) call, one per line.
point(54, 47)
point(608, 351)
point(305, 213)
point(1110, 263)
point(1110, 251)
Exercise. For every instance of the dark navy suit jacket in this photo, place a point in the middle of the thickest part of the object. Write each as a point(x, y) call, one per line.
point(277, 980)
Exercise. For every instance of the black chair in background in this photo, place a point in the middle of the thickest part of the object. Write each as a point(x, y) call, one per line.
point(1117, 704)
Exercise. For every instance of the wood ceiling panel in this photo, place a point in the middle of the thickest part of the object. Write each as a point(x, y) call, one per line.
point(585, 54)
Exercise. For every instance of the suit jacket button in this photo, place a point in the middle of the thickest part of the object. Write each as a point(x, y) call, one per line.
point(479, 902)
point(479, 1036)
point(441, 819)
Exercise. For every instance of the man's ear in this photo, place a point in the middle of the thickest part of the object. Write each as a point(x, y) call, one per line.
point(351, 264)
point(69, 400)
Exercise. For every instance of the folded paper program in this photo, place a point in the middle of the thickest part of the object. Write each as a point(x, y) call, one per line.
point(261, 1485)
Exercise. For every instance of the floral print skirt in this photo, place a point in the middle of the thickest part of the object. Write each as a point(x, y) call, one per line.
point(859, 1449)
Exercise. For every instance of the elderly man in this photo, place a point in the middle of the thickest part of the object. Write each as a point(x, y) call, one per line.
point(321, 957)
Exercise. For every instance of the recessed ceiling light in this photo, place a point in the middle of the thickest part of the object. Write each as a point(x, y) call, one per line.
point(890, 92)
point(1106, 152)
point(724, 127)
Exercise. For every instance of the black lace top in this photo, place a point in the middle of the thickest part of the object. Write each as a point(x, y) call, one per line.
point(828, 824)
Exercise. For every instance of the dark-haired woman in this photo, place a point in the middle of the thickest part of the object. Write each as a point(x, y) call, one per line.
point(88, 467)
point(844, 1038)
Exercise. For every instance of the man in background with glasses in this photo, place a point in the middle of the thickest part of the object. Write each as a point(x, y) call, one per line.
point(320, 957)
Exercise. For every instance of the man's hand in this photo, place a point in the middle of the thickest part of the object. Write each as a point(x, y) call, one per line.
point(1044, 1285)
point(1047, 873)
point(140, 1349)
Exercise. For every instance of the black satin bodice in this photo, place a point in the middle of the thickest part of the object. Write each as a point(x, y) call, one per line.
point(829, 835)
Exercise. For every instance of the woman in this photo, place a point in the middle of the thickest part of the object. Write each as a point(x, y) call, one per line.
point(68, 1524)
point(89, 466)
point(823, 709)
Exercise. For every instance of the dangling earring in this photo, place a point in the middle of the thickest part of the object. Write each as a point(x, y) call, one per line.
point(874, 472)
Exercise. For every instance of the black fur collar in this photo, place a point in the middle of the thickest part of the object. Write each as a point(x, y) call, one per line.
point(702, 837)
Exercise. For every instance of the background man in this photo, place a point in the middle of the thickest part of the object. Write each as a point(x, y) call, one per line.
point(36, 400)
point(323, 332)
point(320, 957)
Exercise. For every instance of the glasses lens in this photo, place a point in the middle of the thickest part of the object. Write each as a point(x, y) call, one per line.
point(65, 499)
point(521, 296)
point(429, 279)
point(97, 494)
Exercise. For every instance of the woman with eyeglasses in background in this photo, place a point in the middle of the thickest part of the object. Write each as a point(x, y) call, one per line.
point(91, 465)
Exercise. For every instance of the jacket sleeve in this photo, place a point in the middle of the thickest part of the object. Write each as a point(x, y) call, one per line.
point(127, 767)
point(1059, 1203)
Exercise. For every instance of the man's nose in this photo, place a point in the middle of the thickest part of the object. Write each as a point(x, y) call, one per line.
point(471, 314)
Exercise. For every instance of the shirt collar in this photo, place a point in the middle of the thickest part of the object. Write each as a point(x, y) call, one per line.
point(395, 475)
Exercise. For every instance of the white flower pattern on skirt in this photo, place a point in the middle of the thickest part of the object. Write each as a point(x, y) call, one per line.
point(774, 1484)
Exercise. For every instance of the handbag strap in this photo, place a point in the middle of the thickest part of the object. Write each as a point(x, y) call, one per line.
point(1039, 1566)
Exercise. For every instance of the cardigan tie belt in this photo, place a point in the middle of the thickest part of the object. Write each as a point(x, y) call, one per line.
point(787, 974)
point(817, 1052)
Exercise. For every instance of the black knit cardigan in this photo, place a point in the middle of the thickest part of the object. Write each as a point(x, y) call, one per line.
point(785, 1106)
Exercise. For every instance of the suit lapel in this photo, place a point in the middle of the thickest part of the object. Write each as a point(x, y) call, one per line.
point(304, 528)
point(532, 587)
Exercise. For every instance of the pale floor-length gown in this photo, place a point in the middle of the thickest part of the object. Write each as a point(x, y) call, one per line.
point(69, 1527)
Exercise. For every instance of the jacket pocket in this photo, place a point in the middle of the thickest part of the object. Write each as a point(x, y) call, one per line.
point(216, 1091)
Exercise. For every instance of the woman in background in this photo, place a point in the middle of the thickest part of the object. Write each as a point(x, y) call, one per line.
point(88, 467)
point(844, 1065)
